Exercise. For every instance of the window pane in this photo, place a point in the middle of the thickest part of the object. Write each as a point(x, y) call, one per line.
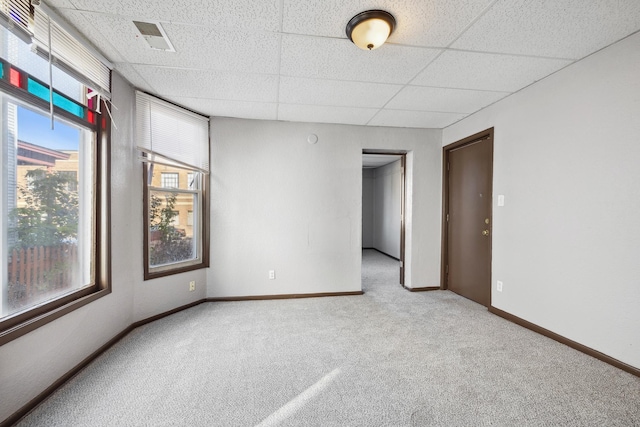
point(169, 180)
point(47, 205)
point(174, 177)
point(169, 242)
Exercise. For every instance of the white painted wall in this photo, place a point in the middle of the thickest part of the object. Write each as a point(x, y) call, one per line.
point(387, 208)
point(279, 203)
point(567, 242)
point(31, 363)
point(368, 180)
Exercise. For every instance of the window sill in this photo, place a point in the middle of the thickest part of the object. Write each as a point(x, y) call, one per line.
point(33, 323)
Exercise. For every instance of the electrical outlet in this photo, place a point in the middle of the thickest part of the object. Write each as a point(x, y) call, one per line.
point(192, 286)
point(272, 274)
point(499, 286)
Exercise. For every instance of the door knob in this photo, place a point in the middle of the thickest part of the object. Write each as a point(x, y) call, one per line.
point(485, 232)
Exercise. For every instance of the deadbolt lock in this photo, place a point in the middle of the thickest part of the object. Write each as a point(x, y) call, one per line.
point(486, 220)
point(485, 232)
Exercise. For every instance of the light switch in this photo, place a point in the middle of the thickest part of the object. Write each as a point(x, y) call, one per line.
point(500, 199)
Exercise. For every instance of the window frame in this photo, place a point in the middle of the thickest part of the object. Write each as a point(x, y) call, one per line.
point(202, 229)
point(21, 323)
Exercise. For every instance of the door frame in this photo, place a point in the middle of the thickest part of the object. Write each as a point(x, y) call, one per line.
point(446, 150)
point(403, 201)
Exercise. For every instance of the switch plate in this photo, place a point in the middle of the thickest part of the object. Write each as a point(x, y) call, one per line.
point(272, 274)
point(500, 199)
point(499, 286)
point(192, 286)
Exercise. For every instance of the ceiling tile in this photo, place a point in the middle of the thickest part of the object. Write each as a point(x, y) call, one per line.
point(443, 100)
point(414, 119)
point(196, 46)
point(212, 107)
point(322, 114)
point(244, 51)
point(210, 84)
point(242, 57)
point(294, 90)
point(247, 14)
point(60, 4)
point(84, 24)
point(559, 28)
point(483, 71)
point(129, 73)
point(339, 59)
point(433, 23)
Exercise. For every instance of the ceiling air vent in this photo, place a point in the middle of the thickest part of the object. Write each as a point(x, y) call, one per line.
point(155, 36)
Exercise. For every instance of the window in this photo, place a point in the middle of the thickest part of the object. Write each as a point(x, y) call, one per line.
point(175, 147)
point(169, 180)
point(54, 188)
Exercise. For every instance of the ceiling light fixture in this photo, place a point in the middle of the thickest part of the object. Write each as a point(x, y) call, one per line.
point(369, 30)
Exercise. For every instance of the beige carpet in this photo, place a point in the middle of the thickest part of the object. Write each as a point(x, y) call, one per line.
point(387, 358)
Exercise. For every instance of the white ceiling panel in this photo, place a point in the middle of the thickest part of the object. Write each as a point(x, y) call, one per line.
point(247, 14)
point(196, 46)
point(130, 73)
point(294, 90)
point(216, 108)
point(471, 70)
point(414, 119)
point(433, 23)
point(559, 28)
point(322, 114)
point(210, 84)
point(87, 27)
point(61, 3)
point(443, 100)
point(291, 59)
point(340, 59)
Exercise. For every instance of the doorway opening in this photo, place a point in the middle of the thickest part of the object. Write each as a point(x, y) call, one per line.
point(383, 206)
point(467, 217)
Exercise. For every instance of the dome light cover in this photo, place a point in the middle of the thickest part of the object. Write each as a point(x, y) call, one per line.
point(369, 30)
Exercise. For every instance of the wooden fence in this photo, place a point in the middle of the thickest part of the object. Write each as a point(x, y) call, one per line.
point(38, 271)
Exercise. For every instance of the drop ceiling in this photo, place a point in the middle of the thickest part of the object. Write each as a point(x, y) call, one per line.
point(290, 59)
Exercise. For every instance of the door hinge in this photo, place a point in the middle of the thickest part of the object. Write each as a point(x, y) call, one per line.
point(447, 217)
point(447, 269)
point(401, 264)
point(448, 165)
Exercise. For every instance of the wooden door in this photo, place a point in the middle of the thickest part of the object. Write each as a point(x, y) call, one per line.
point(468, 200)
